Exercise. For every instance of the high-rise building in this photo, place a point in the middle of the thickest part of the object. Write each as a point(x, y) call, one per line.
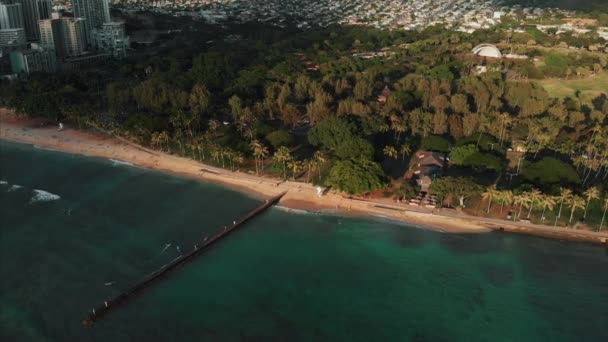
point(111, 39)
point(32, 60)
point(11, 16)
point(12, 36)
point(96, 13)
point(75, 36)
point(64, 35)
point(50, 35)
point(45, 8)
point(31, 15)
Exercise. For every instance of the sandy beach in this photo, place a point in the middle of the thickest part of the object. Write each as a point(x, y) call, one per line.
point(301, 196)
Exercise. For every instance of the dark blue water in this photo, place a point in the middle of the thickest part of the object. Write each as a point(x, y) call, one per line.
point(282, 277)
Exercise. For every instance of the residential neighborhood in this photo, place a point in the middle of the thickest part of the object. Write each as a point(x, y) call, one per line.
point(461, 15)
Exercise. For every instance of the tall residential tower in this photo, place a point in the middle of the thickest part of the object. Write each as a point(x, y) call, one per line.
point(95, 12)
point(11, 16)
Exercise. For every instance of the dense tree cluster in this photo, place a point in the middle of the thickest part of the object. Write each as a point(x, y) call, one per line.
point(302, 102)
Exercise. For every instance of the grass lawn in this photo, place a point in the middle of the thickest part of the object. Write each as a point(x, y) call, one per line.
point(589, 87)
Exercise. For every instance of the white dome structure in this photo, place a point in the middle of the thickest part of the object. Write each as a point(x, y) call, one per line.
point(487, 50)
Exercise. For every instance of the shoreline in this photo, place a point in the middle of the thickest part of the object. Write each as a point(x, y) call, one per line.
point(299, 196)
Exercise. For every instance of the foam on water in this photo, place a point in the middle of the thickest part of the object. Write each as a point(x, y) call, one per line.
point(44, 148)
point(120, 162)
point(3, 182)
point(14, 187)
point(43, 196)
point(293, 211)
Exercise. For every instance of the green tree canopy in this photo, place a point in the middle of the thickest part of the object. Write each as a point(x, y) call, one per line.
point(339, 136)
point(435, 143)
point(460, 154)
point(355, 176)
point(469, 155)
point(280, 138)
point(459, 187)
point(549, 171)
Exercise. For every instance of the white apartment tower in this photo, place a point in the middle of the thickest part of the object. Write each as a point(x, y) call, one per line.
point(67, 36)
point(11, 16)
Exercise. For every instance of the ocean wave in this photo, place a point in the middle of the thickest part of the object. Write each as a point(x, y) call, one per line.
point(43, 196)
point(45, 148)
point(293, 211)
point(14, 187)
point(120, 162)
point(3, 182)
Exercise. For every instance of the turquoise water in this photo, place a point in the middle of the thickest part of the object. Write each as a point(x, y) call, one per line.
point(282, 277)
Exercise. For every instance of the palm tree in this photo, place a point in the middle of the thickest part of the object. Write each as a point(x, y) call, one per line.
point(590, 194)
point(576, 202)
point(259, 152)
point(546, 202)
point(604, 215)
point(489, 194)
point(505, 121)
point(238, 158)
point(163, 138)
point(213, 126)
point(178, 136)
point(295, 166)
point(398, 125)
point(405, 149)
point(282, 156)
point(155, 139)
point(200, 147)
point(535, 196)
point(522, 200)
point(227, 153)
point(321, 159)
point(504, 197)
point(390, 152)
point(309, 165)
point(192, 146)
point(215, 153)
point(564, 196)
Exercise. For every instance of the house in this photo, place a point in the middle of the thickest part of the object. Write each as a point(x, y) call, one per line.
point(426, 166)
point(384, 95)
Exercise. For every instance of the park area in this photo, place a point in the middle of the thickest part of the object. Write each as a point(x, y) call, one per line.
point(590, 87)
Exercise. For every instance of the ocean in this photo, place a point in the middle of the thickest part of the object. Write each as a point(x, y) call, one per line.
point(95, 226)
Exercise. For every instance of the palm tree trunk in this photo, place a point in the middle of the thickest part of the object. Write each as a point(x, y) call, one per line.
point(520, 208)
point(587, 177)
point(603, 217)
point(479, 139)
point(572, 214)
point(530, 211)
point(585, 213)
point(559, 213)
point(542, 216)
point(489, 203)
